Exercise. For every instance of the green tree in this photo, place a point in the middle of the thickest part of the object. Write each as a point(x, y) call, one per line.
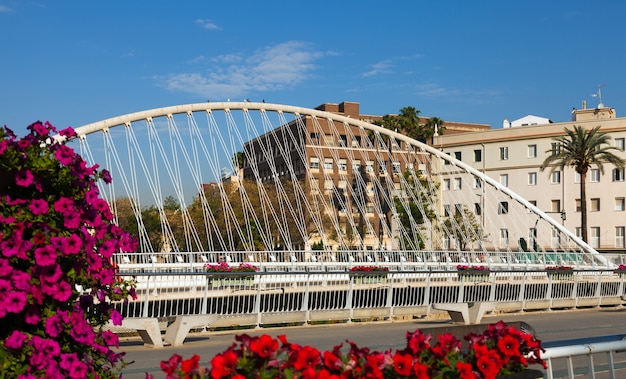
point(581, 149)
point(414, 210)
point(465, 228)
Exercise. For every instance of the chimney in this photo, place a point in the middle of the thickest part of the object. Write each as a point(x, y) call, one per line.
point(584, 104)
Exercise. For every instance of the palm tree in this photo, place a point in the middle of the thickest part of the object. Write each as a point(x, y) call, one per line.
point(581, 148)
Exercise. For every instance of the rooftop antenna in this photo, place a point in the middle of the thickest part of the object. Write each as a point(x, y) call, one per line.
point(599, 95)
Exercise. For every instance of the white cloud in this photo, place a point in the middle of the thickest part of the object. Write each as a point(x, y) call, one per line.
point(384, 67)
point(5, 9)
point(268, 69)
point(208, 24)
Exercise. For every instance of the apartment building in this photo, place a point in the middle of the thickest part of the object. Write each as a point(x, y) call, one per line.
point(345, 168)
point(512, 155)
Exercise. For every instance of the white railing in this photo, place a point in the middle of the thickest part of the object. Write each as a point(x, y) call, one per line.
point(588, 358)
point(344, 260)
point(299, 296)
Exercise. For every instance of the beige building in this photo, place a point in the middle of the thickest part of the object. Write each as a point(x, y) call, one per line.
point(513, 155)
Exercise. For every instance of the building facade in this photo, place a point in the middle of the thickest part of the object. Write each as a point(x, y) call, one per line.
point(353, 174)
point(513, 157)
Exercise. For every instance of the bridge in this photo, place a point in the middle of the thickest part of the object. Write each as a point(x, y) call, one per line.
point(310, 198)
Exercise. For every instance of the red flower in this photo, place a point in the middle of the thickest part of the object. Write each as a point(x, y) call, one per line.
point(402, 364)
point(421, 371)
point(489, 365)
point(306, 357)
point(190, 364)
point(465, 370)
point(264, 346)
point(509, 346)
point(223, 364)
point(171, 365)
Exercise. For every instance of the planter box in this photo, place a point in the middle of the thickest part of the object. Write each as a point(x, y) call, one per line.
point(563, 275)
point(370, 279)
point(239, 281)
point(474, 276)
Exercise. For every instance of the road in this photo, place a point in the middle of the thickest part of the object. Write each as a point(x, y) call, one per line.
point(549, 326)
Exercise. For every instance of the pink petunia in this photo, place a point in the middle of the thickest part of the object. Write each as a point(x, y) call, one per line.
point(21, 281)
point(116, 317)
point(68, 132)
point(14, 301)
point(64, 205)
point(16, 340)
point(38, 207)
point(78, 370)
point(71, 220)
point(53, 326)
point(65, 154)
point(46, 255)
point(24, 178)
point(62, 291)
point(67, 360)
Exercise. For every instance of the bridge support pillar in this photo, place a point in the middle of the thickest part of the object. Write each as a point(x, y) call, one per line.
point(466, 313)
point(148, 328)
point(178, 330)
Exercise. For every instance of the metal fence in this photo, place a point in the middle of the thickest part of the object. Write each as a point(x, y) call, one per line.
point(596, 357)
point(341, 260)
point(270, 297)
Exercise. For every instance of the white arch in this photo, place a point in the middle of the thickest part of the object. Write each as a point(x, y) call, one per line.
point(209, 107)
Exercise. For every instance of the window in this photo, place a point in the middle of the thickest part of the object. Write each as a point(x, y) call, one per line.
point(457, 155)
point(595, 204)
point(619, 236)
point(328, 185)
point(328, 164)
point(595, 237)
point(579, 231)
point(458, 209)
point(556, 238)
point(619, 143)
point(555, 205)
point(315, 186)
point(395, 167)
point(343, 165)
point(329, 140)
point(343, 140)
point(533, 202)
point(446, 210)
point(555, 178)
point(504, 153)
point(532, 151)
point(620, 204)
point(478, 183)
point(556, 148)
point(576, 178)
point(314, 163)
point(458, 183)
point(532, 178)
point(618, 174)
point(504, 237)
point(503, 207)
point(315, 138)
point(356, 166)
point(595, 175)
point(504, 180)
point(478, 155)
point(446, 184)
point(578, 206)
point(478, 209)
point(369, 166)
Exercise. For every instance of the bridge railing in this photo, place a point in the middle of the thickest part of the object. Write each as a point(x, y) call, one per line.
point(344, 260)
point(298, 296)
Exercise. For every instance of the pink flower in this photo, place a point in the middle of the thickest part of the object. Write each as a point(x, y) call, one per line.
point(16, 340)
point(65, 154)
point(68, 132)
point(38, 207)
point(116, 317)
point(53, 326)
point(62, 291)
point(72, 220)
point(67, 360)
point(64, 205)
point(45, 256)
point(24, 178)
point(14, 302)
point(21, 280)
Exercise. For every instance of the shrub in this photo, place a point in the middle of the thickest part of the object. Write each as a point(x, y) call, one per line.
point(57, 278)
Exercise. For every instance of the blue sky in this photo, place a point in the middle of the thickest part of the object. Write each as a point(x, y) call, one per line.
point(76, 62)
